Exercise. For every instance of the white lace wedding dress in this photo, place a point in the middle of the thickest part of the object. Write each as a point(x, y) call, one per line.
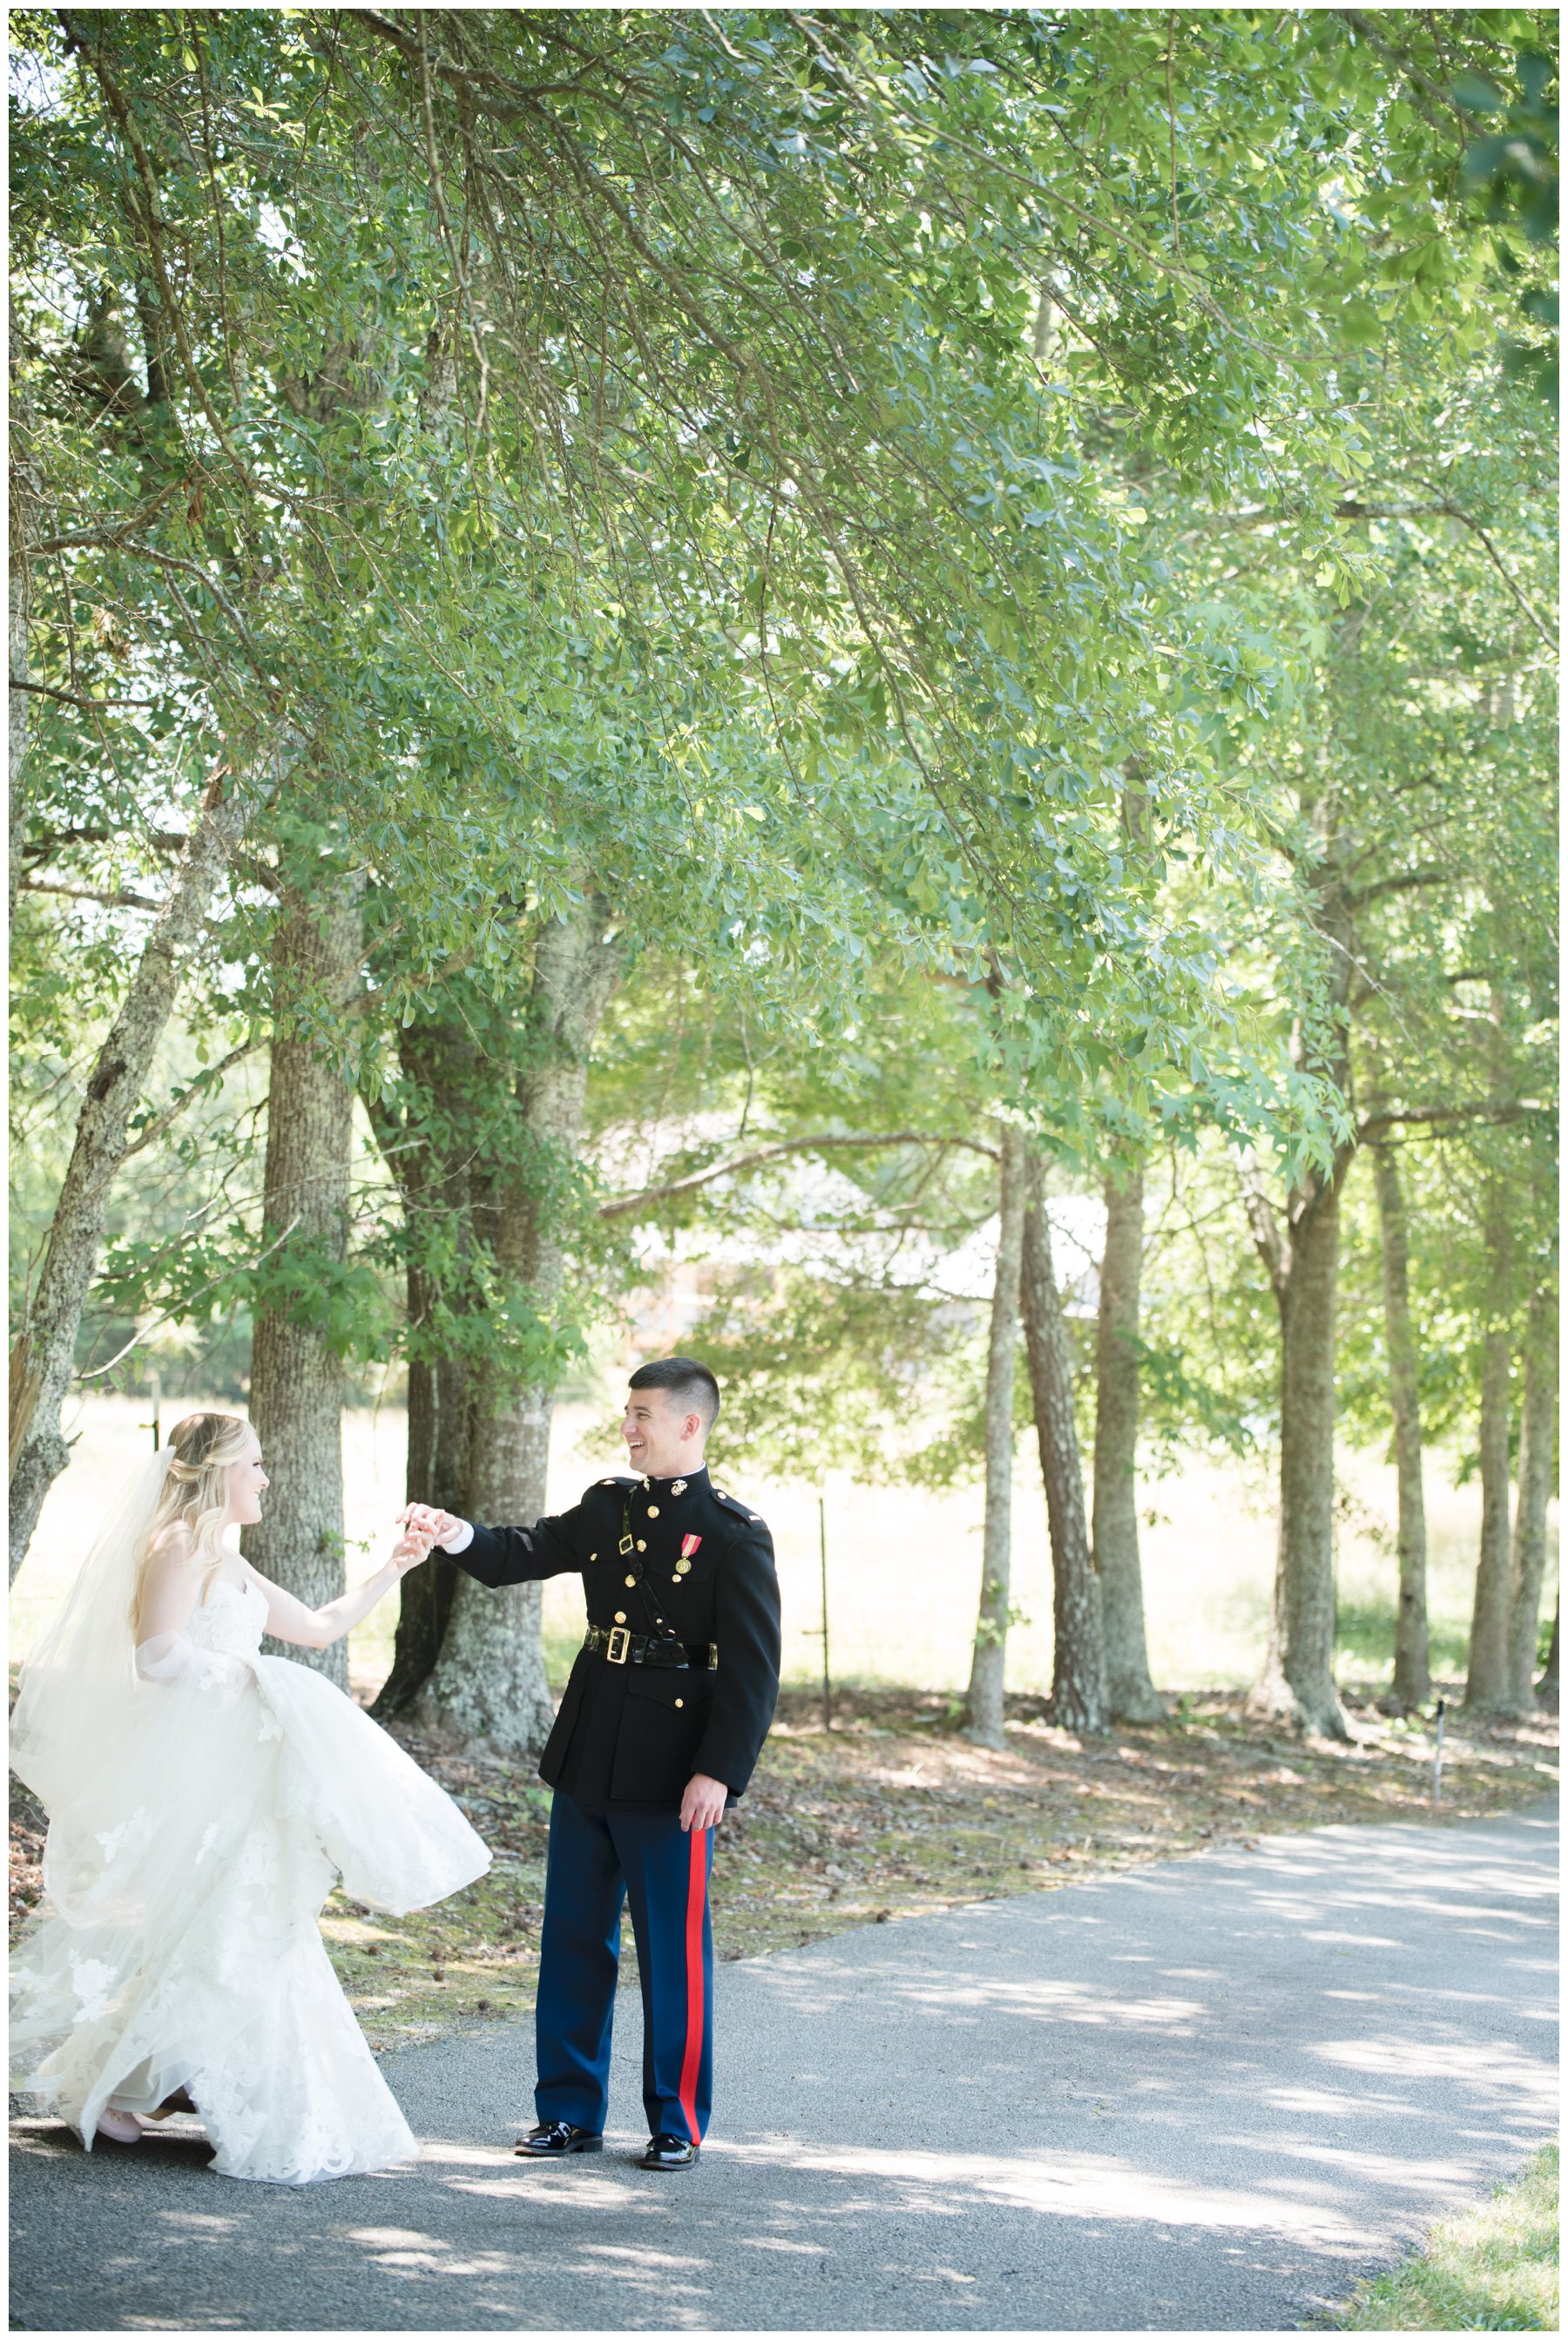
point(178, 1943)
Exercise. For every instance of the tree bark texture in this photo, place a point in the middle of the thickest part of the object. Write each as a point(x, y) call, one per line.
point(17, 765)
point(988, 1668)
point(1079, 1667)
point(1297, 1682)
point(1488, 1688)
point(44, 1355)
point(1537, 1450)
point(27, 505)
point(1131, 1692)
point(433, 1177)
point(1411, 1655)
point(489, 1685)
point(1546, 1688)
point(296, 1376)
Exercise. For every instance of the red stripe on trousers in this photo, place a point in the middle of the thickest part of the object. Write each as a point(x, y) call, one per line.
point(696, 1896)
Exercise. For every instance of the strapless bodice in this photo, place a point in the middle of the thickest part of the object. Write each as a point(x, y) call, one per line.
point(231, 1620)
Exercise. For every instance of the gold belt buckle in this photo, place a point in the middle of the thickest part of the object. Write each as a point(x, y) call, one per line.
point(617, 1657)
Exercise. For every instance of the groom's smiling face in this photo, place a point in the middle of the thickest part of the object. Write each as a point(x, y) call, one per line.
point(657, 1430)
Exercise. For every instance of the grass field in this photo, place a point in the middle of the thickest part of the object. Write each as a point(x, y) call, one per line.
point(1494, 2269)
point(903, 1567)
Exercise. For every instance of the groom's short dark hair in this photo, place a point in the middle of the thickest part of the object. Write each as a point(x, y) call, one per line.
point(692, 1385)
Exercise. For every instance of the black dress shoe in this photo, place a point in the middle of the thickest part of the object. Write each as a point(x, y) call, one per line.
point(552, 2139)
point(666, 2152)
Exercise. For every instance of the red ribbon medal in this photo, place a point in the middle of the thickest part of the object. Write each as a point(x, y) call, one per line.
point(689, 1545)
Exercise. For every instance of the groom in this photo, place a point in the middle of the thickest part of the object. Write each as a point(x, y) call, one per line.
point(663, 1718)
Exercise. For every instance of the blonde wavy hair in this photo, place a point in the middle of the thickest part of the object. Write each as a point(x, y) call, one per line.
point(196, 1492)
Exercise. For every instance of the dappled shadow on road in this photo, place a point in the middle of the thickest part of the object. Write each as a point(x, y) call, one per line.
point(1207, 2096)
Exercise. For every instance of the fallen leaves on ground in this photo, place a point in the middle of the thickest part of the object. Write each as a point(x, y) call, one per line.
point(894, 1813)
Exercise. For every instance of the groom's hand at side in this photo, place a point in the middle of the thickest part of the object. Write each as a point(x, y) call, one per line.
point(702, 1805)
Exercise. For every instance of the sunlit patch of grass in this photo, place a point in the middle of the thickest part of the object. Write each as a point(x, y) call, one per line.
point(473, 1958)
point(1492, 2270)
point(1363, 1642)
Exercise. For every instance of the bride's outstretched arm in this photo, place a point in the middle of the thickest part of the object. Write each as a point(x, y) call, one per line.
point(288, 1619)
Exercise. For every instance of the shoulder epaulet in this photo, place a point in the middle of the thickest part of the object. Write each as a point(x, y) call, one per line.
point(616, 1482)
point(734, 1504)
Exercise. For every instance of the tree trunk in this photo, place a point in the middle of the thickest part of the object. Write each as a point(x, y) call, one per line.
point(489, 1686)
point(1302, 1256)
point(17, 725)
point(1079, 1675)
point(440, 1058)
point(1131, 1693)
point(1411, 1658)
point(434, 1475)
point(1537, 1442)
point(988, 1667)
point(1297, 1682)
point(42, 1360)
point(1546, 1688)
point(1487, 1686)
point(296, 1376)
point(26, 511)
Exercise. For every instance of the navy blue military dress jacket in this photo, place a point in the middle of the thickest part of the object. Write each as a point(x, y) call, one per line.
point(699, 1568)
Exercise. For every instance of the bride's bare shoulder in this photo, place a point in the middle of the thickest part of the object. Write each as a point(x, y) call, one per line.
point(170, 1582)
point(174, 1548)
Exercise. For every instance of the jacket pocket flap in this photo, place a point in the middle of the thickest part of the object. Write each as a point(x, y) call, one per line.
point(666, 1684)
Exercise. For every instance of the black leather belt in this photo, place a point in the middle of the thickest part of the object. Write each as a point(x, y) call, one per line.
point(622, 1647)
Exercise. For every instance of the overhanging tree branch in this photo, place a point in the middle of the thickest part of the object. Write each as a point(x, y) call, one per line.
point(1496, 559)
point(1361, 895)
point(1361, 23)
point(115, 899)
point(621, 1206)
point(71, 699)
point(1444, 1116)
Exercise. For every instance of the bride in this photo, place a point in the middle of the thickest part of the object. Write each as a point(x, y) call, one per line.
point(202, 1800)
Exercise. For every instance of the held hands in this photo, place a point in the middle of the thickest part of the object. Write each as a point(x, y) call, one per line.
point(411, 1547)
point(424, 1520)
point(702, 1805)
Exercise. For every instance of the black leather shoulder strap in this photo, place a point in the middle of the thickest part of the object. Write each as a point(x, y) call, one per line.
point(628, 1553)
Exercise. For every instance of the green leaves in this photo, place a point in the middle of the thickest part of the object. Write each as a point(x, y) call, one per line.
point(1517, 166)
point(803, 473)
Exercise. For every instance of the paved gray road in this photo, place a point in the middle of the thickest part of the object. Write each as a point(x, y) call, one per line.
point(1205, 2095)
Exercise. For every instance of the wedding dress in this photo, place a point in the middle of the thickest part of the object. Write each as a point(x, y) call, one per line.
point(201, 1806)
